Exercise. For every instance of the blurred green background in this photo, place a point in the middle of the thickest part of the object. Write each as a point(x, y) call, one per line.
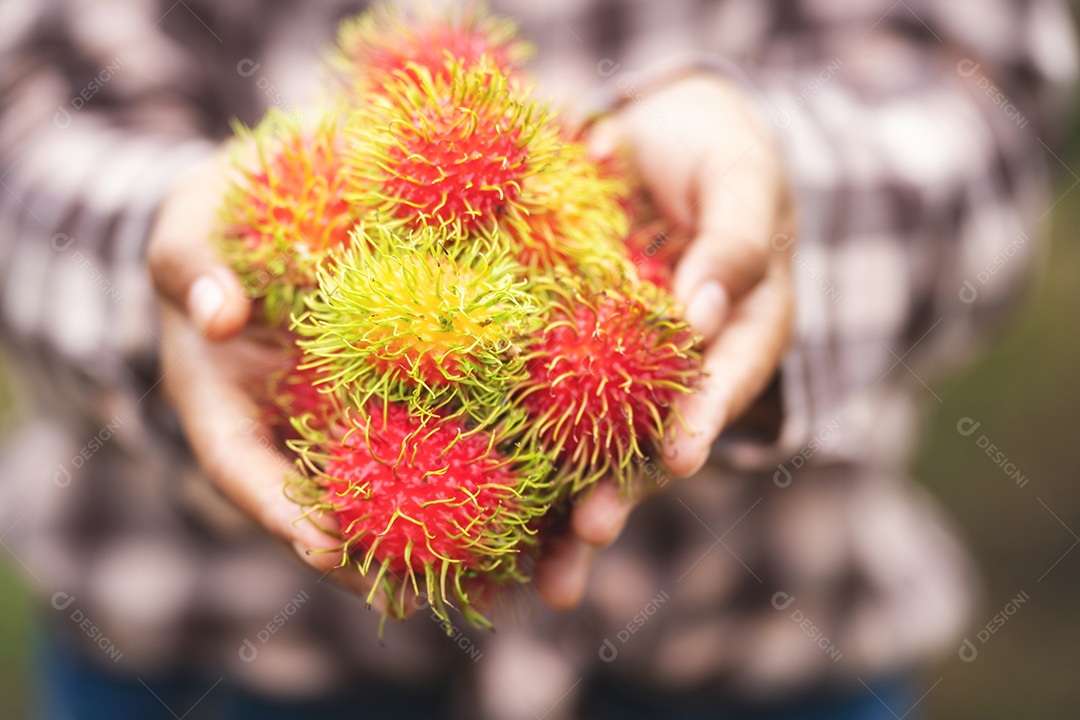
point(1026, 393)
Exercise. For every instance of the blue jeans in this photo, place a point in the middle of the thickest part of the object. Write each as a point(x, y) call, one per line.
point(72, 688)
point(886, 699)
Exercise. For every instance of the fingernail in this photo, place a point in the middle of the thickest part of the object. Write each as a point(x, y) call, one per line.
point(707, 309)
point(205, 299)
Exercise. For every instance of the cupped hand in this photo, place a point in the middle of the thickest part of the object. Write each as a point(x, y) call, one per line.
point(716, 176)
point(210, 363)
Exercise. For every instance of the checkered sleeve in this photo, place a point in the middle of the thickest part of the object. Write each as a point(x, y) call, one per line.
point(920, 141)
point(96, 121)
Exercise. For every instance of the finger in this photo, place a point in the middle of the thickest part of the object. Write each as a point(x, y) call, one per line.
point(600, 517)
point(231, 444)
point(183, 264)
point(238, 453)
point(736, 211)
point(563, 572)
point(737, 367)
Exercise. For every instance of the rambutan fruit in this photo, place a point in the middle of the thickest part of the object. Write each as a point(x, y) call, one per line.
point(570, 216)
point(377, 46)
point(399, 317)
point(650, 247)
point(285, 208)
point(296, 392)
point(604, 373)
point(451, 152)
point(650, 241)
point(473, 157)
point(428, 502)
point(655, 246)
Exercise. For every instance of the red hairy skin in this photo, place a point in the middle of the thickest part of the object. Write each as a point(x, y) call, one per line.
point(415, 495)
point(451, 154)
point(457, 172)
point(285, 210)
point(386, 43)
point(431, 503)
point(604, 374)
point(296, 392)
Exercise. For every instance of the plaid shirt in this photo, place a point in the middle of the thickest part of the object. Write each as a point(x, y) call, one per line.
point(918, 137)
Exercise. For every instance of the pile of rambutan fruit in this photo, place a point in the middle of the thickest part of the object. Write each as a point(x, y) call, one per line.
point(474, 306)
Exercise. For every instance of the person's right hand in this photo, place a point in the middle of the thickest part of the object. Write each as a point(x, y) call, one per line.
point(209, 366)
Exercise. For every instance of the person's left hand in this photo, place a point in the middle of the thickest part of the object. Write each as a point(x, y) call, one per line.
point(715, 174)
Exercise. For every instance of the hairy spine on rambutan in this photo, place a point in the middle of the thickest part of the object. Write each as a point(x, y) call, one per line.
point(569, 215)
point(451, 154)
point(427, 502)
point(399, 317)
point(603, 376)
point(375, 45)
point(285, 208)
point(296, 392)
point(651, 242)
point(651, 245)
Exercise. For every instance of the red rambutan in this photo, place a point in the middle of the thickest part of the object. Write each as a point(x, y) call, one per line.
point(285, 209)
point(430, 503)
point(375, 47)
point(603, 375)
point(449, 154)
point(296, 393)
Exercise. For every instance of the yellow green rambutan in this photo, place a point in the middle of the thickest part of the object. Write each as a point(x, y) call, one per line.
point(399, 316)
point(569, 215)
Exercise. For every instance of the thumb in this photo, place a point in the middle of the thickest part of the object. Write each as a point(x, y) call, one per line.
point(185, 267)
point(728, 256)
